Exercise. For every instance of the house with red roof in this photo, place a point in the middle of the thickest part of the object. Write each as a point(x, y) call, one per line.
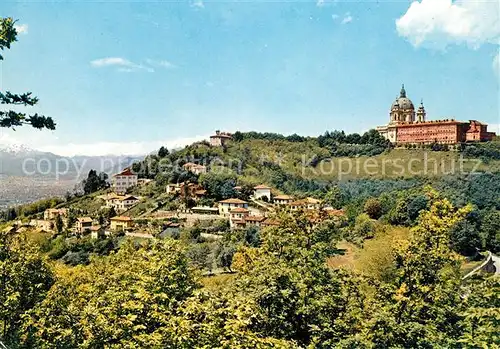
point(120, 182)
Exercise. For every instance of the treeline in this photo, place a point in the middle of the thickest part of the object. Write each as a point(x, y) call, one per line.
point(27, 210)
point(268, 136)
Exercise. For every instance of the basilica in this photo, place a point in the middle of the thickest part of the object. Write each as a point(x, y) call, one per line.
point(407, 126)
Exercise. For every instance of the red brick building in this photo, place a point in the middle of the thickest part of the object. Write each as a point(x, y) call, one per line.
point(407, 127)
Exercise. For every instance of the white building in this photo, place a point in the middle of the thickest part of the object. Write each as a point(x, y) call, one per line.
point(123, 180)
point(262, 191)
point(121, 202)
point(306, 204)
point(282, 199)
point(225, 206)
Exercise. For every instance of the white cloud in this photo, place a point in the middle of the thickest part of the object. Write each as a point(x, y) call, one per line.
point(122, 64)
point(438, 23)
point(347, 18)
point(21, 28)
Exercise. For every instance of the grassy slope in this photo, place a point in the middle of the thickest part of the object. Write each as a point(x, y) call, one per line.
point(398, 163)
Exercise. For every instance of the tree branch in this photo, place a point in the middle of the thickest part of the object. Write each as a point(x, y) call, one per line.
point(23, 99)
point(12, 119)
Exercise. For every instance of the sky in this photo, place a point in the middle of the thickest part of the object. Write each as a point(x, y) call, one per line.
point(124, 77)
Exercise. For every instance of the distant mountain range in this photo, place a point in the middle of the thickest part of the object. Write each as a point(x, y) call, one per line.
point(22, 161)
point(27, 175)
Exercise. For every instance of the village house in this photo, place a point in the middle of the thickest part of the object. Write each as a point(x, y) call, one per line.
point(52, 213)
point(195, 168)
point(269, 222)
point(237, 217)
point(121, 203)
point(83, 225)
point(305, 204)
point(144, 181)
point(262, 191)
point(97, 232)
point(282, 199)
point(123, 180)
point(42, 224)
point(220, 138)
point(254, 220)
point(225, 206)
point(173, 188)
point(193, 190)
point(121, 223)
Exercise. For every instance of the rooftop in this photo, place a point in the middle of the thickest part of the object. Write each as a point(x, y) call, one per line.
point(121, 219)
point(125, 172)
point(239, 210)
point(233, 201)
point(84, 220)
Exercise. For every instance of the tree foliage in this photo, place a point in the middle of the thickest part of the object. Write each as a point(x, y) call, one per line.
point(12, 118)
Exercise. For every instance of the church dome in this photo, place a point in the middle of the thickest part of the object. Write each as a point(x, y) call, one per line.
point(402, 102)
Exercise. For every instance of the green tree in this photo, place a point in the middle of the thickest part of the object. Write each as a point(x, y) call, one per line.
point(201, 256)
point(373, 208)
point(25, 278)
point(490, 230)
point(125, 300)
point(163, 152)
point(421, 307)
point(224, 254)
point(95, 182)
point(11, 118)
point(333, 198)
point(59, 224)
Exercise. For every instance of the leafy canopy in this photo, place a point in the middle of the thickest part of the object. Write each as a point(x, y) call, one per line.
point(11, 118)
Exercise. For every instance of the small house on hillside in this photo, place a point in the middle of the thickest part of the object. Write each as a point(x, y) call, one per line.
point(225, 206)
point(97, 232)
point(220, 138)
point(262, 191)
point(195, 168)
point(305, 204)
point(120, 182)
point(121, 223)
point(83, 225)
point(282, 199)
point(121, 202)
point(52, 213)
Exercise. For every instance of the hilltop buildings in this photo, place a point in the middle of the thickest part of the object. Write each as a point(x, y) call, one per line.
point(220, 138)
point(407, 126)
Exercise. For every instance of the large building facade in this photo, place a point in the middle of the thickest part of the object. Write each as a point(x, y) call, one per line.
point(409, 126)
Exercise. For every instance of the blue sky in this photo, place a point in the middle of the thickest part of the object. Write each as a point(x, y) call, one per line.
point(125, 77)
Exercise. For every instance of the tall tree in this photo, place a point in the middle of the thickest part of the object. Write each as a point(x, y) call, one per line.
point(11, 118)
point(25, 278)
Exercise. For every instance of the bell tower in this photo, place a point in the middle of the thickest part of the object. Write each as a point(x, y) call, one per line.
point(421, 112)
